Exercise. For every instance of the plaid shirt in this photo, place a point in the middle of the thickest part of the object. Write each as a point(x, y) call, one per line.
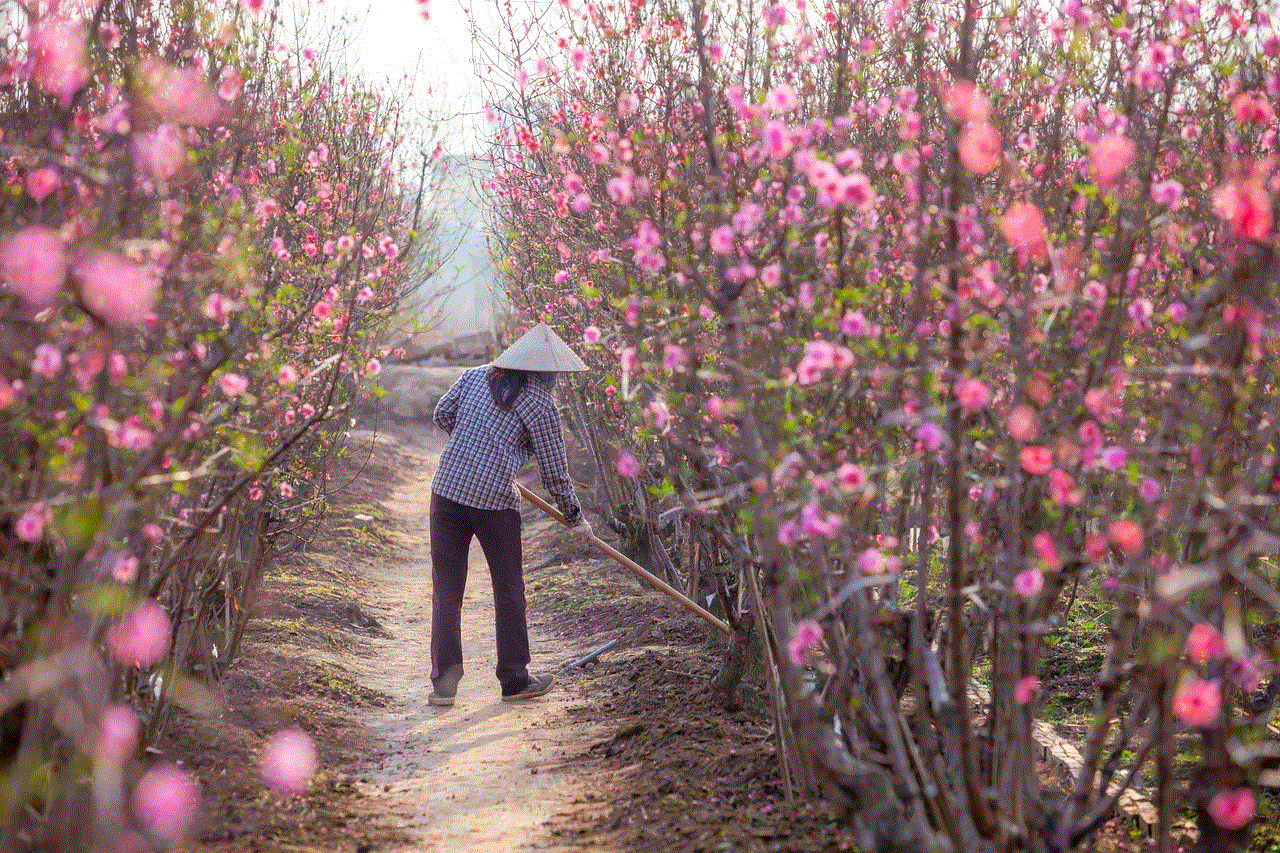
point(487, 446)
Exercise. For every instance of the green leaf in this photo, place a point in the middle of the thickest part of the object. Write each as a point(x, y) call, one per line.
point(78, 523)
point(106, 599)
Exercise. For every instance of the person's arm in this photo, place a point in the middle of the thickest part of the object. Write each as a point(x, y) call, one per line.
point(446, 412)
point(553, 463)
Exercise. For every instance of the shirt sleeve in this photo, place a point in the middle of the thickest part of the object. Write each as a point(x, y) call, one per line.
point(553, 463)
point(446, 411)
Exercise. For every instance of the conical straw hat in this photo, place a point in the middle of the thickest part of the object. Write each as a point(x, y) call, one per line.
point(540, 349)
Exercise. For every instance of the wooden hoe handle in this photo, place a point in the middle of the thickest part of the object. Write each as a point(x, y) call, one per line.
point(648, 577)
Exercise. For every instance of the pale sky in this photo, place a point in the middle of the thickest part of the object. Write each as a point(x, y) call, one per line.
point(436, 52)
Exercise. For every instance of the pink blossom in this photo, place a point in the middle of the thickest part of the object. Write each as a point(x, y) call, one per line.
point(233, 384)
point(114, 288)
point(1036, 460)
point(373, 367)
point(814, 523)
point(1026, 689)
point(628, 465)
point(42, 182)
point(229, 83)
point(1204, 643)
point(322, 310)
point(1023, 227)
point(1198, 701)
point(124, 569)
point(1109, 157)
point(788, 534)
point(1252, 108)
point(808, 635)
point(781, 99)
point(1023, 425)
point(288, 375)
point(1167, 193)
point(1126, 535)
point(1233, 808)
point(722, 239)
point(930, 435)
point(621, 190)
point(1114, 457)
point(972, 393)
point(7, 393)
point(777, 138)
point(1244, 203)
point(979, 146)
point(673, 357)
point(716, 407)
point(141, 637)
point(180, 95)
point(573, 183)
point(851, 476)
point(33, 264)
point(855, 325)
point(46, 361)
point(161, 152)
point(1062, 488)
point(59, 53)
point(30, 525)
point(288, 761)
point(165, 801)
point(1149, 489)
point(966, 103)
point(1029, 582)
point(581, 203)
point(117, 733)
point(628, 103)
point(871, 561)
point(591, 335)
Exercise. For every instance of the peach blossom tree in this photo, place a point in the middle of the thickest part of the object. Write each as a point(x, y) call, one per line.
point(201, 239)
point(912, 324)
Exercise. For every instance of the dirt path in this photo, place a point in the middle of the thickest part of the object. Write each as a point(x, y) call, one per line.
point(484, 775)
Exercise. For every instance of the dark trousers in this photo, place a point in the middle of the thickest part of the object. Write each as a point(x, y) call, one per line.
point(452, 526)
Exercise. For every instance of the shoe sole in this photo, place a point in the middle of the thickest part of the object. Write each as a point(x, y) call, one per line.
point(440, 701)
point(520, 697)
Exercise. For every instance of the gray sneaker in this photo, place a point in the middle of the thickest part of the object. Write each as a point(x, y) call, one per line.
point(538, 685)
point(442, 696)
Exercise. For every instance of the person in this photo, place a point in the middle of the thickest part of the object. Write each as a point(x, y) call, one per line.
point(497, 417)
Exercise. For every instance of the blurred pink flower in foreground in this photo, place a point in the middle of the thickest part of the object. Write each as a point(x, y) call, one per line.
point(1204, 643)
point(979, 146)
point(1126, 535)
point(1244, 203)
point(1036, 460)
point(117, 733)
point(1023, 226)
point(141, 637)
point(42, 182)
point(1109, 158)
point(808, 634)
point(1198, 701)
point(1233, 808)
point(288, 761)
point(966, 103)
point(59, 55)
point(628, 466)
point(30, 525)
point(165, 801)
point(160, 152)
point(1029, 582)
point(1023, 424)
point(116, 289)
point(33, 264)
point(178, 94)
point(1025, 690)
point(972, 393)
point(233, 384)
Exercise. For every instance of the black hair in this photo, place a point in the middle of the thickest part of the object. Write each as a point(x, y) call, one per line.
point(506, 384)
